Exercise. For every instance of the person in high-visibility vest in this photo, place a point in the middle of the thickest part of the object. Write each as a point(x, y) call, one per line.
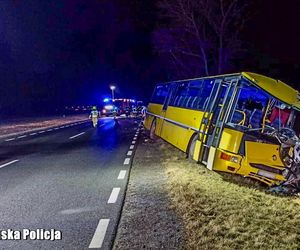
point(94, 116)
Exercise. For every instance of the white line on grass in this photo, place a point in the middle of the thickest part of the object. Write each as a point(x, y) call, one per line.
point(8, 163)
point(129, 152)
point(114, 195)
point(99, 234)
point(74, 136)
point(126, 161)
point(122, 174)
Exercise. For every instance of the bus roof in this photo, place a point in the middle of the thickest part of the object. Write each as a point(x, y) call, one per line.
point(276, 88)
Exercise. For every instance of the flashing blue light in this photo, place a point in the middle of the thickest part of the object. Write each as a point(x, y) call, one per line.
point(106, 100)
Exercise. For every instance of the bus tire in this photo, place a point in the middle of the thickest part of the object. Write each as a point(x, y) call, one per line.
point(152, 130)
point(191, 147)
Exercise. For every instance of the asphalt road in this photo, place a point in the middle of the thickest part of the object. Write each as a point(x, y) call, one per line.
point(71, 179)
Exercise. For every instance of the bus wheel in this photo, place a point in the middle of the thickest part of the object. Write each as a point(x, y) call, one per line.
point(191, 148)
point(152, 130)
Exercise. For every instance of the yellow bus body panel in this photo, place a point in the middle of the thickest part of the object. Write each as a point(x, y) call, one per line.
point(155, 109)
point(196, 154)
point(263, 153)
point(180, 125)
point(231, 140)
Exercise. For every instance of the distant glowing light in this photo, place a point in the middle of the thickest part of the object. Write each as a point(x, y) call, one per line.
point(109, 107)
point(112, 87)
point(106, 100)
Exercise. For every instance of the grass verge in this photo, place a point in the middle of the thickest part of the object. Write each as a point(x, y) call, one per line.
point(221, 211)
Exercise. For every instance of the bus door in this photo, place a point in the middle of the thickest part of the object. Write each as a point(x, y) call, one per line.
point(171, 92)
point(218, 109)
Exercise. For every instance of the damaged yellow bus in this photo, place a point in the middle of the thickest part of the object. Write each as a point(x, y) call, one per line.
point(238, 123)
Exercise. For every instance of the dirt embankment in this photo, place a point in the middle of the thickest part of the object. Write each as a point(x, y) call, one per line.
point(23, 125)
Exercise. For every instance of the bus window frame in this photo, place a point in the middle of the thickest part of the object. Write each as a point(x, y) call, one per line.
point(187, 83)
point(154, 91)
point(172, 89)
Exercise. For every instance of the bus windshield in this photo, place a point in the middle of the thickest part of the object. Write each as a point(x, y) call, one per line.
point(256, 110)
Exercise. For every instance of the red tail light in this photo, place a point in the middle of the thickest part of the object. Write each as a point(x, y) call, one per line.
point(225, 156)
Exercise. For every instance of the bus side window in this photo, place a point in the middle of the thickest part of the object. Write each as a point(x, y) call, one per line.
point(180, 96)
point(160, 93)
point(206, 88)
point(192, 94)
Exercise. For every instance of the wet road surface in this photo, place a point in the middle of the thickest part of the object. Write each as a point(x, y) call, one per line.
point(70, 178)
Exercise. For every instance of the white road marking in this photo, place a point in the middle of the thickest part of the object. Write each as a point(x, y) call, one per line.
point(21, 136)
point(122, 174)
point(126, 161)
point(33, 134)
point(74, 136)
point(134, 138)
point(56, 128)
point(131, 147)
point(49, 130)
point(8, 163)
point(114, 195)
point(129, 152)
point(41, 132)
point(133, 142)
point(99, 234)
point(10, 139)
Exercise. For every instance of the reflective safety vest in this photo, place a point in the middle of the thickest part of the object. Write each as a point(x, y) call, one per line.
point(94, 113)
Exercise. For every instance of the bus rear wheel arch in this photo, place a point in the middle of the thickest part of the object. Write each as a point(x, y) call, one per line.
point(191, 146)
point(152, 130)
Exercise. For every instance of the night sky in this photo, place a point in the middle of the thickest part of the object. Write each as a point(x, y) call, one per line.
point(57, 53)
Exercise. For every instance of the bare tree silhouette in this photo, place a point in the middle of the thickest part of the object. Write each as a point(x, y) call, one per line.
point(200, 37)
